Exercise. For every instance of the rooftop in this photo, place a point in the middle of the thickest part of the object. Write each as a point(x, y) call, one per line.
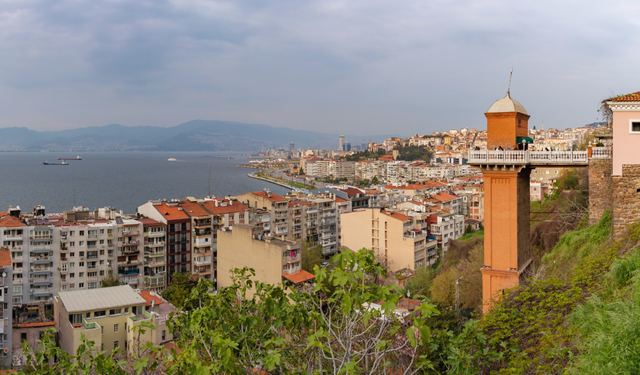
point(11, 222)
point(506, 104)
point(171, 212)
point(300, 277)
point(100, 299)
point(633, 97)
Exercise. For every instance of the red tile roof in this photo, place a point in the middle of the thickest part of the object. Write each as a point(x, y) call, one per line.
point(352, 192)
point(146, 294)
point(193, 209)
point(273, 198)
point(148, 222)
point(171, 212)
point(444, 197)
point(396, 215)
point(633, 97)
point(11, 222)
point(300, 277)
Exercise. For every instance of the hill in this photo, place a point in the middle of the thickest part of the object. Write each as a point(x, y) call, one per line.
point(196, 135)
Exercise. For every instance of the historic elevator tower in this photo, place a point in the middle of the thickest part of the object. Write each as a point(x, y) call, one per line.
point(506, 241)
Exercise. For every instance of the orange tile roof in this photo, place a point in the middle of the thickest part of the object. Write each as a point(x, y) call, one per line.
point(444, 197)
point(11, 222)
point(193, 209)
point(273, 198)
point(150, 222)
point(171, 212)
point(30, 325)
point(3, 213)
point(5, 258)
point(220, 210)
point(300, 277)
point(338, 199)
point(396, 215)
point(633, 97)
point(146, 294)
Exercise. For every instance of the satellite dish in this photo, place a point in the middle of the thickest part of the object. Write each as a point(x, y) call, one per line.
point(4, 274)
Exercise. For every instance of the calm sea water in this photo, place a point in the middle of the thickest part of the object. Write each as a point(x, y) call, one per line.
point(124, 180)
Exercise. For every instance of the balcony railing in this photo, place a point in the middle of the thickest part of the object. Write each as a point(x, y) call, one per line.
point(528, 157)
point(601, 152)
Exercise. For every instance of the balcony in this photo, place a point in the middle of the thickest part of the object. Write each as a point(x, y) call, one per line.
point(41, 291)
point(131, 243)
point(291, 271)
point(130, 271)
point(200, 242)
point(36, 248)
point(16, 259)
point(157, 280)
point(154, 234)
point(153, 264)
point(156, 244)
point(92, 236)
point(536, 158)
point(201, 261)
point(154, 254)
point(13, 237)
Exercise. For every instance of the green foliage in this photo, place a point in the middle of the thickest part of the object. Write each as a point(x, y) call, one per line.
point(624, 269)
point(110, 280)
point(420, 284)
point(411, 153)
point(311, 256)
point(574, 246)
point(366, 154)
point(470, 234)
point(179, 289)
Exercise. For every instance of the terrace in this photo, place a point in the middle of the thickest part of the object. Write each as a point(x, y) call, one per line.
point(538, 158)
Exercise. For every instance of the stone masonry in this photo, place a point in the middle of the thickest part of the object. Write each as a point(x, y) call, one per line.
point(600, 188)
point(626, 199)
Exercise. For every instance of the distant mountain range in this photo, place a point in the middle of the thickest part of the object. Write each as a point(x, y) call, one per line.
point(197, 135)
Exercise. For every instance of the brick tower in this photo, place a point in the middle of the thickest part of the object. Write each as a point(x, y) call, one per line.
point(507, 199)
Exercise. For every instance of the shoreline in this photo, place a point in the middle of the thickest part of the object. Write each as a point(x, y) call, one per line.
point(292, 188)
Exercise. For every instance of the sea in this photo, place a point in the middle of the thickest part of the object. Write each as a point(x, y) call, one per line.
point(123, 180)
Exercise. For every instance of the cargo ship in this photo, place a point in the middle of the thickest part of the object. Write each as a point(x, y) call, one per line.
point(47, 163)
point(76, 158)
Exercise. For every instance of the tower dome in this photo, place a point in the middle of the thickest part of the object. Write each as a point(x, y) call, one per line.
point(506, 104)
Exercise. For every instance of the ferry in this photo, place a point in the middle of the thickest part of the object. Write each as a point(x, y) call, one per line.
point(76, 158)
point(171, 159)
point(47, 163)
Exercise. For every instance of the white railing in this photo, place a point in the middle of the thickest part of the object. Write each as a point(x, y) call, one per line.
point(601, 152)
point(525, 157)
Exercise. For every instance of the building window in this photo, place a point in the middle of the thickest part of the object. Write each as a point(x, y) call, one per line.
point(115, 345)
point(72, 275)
point(115, 328)
point(93, 285)
point(80, 285)
point(82, 233)
point(126, 310)
point(100, 314)
point(164, 335)
point(634, 126)
point(102, 347)
point(114, 312)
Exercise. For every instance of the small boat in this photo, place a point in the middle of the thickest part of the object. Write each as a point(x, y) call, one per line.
point(47, 163)
point(76, 158)
point(171, 159)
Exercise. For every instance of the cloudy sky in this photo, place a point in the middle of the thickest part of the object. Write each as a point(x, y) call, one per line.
point(357, 66)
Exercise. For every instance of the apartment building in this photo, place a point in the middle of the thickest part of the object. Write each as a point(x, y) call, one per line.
point(13, 236)
point(85, 249)
point(178, 233)
point(398, 242)
point(130, 255)
point(201, 238)
point(276, 205)
point(225, 213)
point(445, 226)
point(274, 259)
point(6, 307)
point(155, 264)
point(105, 316)
point(41, 261)
point(476, 206)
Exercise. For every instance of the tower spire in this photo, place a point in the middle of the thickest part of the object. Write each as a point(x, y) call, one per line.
point(509, 89)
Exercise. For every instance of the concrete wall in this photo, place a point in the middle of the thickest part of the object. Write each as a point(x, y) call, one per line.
point(238, 249)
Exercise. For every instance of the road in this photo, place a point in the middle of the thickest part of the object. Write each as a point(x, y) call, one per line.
point(279, 173)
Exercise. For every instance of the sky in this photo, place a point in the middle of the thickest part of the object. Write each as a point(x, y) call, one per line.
point(356, 67)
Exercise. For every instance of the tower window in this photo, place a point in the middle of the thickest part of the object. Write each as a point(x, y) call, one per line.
point(635, 126)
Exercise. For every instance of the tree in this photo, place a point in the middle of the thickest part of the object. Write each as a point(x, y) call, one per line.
point(110, 280)
point(421, 282)
point(375, 181)
point(301, 171)
point(179, 289)
point(311, 256)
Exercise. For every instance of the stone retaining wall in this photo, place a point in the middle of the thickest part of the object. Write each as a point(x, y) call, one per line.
point(626, 199)
point(600, 188)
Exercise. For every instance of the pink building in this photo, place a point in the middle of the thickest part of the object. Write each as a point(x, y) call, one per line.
point(626, 130)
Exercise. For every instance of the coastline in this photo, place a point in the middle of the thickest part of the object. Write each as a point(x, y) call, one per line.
point(252, 175)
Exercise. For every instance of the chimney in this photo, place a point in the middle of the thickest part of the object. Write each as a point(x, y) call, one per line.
point(230, 203)
point(216, 203)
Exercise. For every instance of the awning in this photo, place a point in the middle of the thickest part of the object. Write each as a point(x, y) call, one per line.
point(300, 277)
point(525, 139)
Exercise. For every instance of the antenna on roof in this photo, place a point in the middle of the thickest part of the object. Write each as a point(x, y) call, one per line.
point(509, 89)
